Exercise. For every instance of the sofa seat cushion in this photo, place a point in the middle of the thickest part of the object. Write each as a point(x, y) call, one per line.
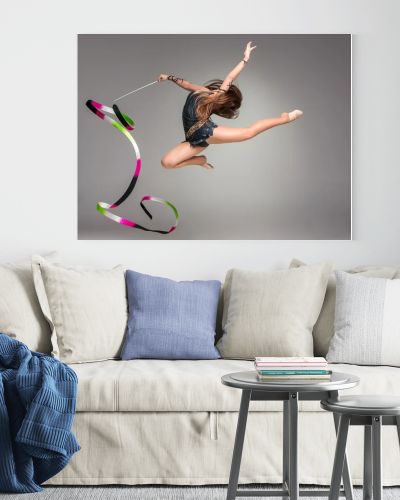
point(174, 386)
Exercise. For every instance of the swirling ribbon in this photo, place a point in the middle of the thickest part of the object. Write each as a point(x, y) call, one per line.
point(125, 126)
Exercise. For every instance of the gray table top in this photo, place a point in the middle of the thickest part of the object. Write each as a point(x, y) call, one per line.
point(365, 405)
point(249, 380)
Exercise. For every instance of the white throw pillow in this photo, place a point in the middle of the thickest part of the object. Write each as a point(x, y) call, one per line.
point(324, 327)
point(86, 309)
point(367, 321)
point(20, 315)
point(272, 313)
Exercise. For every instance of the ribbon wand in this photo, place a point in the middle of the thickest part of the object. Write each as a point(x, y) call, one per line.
point(136, 90)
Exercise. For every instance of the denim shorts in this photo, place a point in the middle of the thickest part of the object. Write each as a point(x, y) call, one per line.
point(200, 136)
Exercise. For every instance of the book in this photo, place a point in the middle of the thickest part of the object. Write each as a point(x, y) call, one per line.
point(292, 368)
point(290, 361)
point(294, 372)
point(266, 378)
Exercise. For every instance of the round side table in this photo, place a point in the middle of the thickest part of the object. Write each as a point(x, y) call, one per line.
point(371, 412)
point(290, 392)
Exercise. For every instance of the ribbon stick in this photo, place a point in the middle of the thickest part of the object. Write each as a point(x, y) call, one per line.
point(125, 126)
point(136, 90)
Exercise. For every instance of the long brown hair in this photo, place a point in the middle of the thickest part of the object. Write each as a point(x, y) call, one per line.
point(225, 103)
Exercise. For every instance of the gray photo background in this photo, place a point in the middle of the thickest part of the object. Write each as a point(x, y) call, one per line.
point(292, 182)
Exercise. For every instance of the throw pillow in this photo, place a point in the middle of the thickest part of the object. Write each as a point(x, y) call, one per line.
point(86, 309)
point(170, 319)
point(20, 314)
point(367, 321)
point(324, 327)
point(272, 313)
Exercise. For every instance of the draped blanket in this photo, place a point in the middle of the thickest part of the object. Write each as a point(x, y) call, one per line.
point(37, 407)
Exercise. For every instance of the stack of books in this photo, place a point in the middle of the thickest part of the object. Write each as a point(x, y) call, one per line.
point(292, 368)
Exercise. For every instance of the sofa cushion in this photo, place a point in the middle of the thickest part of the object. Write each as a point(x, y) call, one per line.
point(161, 385)
point(324, 327)
point(86, 309)
point(272, 313)
point(20, 315)
point(170, 319)
point(367, 321)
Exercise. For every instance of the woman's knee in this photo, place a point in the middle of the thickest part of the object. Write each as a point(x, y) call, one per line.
point(166, 162)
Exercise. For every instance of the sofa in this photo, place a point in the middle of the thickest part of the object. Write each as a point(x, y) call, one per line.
point(172, 422)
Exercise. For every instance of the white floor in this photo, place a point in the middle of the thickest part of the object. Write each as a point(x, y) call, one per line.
point(153, 493)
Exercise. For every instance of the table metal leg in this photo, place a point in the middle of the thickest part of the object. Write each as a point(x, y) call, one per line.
point(285, 458)
point(340, 454)
point(293, 446)
point(398, 428)
point(238, 447)
point(377, 457)
point(347, 481)
point(367, 486)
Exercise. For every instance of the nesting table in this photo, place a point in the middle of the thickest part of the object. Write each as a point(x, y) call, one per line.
point(290, 392)
point(371, 412)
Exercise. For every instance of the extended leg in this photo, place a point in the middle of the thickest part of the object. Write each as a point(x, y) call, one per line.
point(347, 482)
point(367, 486)
point(293, 447)
point(222, 135)
point(285, 458)
point(339, 457)
point(238, 448)
point(377, 457)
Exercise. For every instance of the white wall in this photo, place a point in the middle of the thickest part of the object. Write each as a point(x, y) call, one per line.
point(38, 147)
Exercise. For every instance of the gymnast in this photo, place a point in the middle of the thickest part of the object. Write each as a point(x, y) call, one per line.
point(218, 97)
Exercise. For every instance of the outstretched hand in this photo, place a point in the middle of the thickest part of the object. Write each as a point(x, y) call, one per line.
point(162, 77)
point(248, 50)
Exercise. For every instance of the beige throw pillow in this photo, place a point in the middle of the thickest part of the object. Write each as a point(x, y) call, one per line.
point(20, 314)
point(86, 309)
point(272, 313)
point(325, 328)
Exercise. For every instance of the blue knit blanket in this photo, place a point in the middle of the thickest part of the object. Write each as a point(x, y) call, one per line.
point(37, 406)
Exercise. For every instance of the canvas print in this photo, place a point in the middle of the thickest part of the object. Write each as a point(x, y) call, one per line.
point(214, 136)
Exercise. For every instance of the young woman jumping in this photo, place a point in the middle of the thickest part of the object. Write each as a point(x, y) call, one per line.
point(218, 97)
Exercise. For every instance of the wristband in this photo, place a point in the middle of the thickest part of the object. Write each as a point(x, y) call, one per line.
point(175, 79)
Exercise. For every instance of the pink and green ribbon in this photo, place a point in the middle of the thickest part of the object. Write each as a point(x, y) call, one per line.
point(125, 126)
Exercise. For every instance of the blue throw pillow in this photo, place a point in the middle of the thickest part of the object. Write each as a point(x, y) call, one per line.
point(170, 319)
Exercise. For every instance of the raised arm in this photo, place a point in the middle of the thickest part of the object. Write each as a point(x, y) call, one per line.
point(184, 84)
point(232, 75)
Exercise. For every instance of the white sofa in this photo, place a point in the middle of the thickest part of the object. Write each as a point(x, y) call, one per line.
point(173, 422)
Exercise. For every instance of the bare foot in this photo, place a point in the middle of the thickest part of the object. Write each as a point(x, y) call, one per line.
point(207, 165)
